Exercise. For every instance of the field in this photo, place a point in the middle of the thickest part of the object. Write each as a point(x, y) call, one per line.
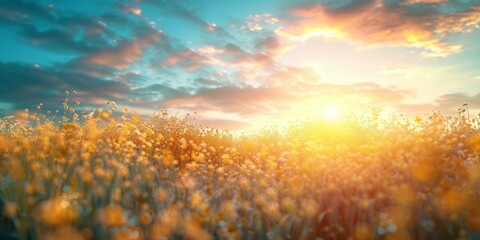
point(113, 174)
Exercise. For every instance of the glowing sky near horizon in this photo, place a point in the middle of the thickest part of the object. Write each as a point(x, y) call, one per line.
point(241, 63)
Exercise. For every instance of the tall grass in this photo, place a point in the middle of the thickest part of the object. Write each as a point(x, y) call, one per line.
point(111, 174)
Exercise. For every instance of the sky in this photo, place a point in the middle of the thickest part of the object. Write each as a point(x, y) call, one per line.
point(240, 64)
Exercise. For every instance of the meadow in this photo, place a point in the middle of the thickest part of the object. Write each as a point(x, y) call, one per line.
point(111, 173)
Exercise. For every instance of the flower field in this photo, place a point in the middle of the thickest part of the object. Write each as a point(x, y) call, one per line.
point(113, 174)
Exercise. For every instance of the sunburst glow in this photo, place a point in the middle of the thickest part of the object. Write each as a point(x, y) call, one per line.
point(332, 113)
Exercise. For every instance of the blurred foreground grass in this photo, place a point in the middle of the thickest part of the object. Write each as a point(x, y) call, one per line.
point(97, 175)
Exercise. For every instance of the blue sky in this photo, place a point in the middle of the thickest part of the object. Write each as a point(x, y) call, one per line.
point(242, 63)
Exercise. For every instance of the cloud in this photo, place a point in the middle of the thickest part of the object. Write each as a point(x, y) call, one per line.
point(130, 78)
point(131, 9)
point(455, 100)
point(447, 103)
point(208, 82)
point(176, 9)
point(29, 85)
point(302, 96)
point(228, 56)
point(211, 27)
point(255, 22)
point(116, 58)
point(188, 59)
point(55, 40)
point(25, 86)
point(20, 12)
point(58, 31)
point(159, 91)
point(419, 24)
point(243, 101)
point(292, 77)
point(271, 46)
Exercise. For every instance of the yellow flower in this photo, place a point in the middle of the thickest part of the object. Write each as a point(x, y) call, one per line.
point(58, 211)
point(112, 215)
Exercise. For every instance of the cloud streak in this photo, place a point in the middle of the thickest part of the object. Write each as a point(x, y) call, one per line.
point(255, 22)
point(122, 56)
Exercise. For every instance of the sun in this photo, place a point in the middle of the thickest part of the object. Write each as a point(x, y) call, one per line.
point(331, 113)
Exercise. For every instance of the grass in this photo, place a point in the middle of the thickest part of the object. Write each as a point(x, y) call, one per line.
point(111, 174)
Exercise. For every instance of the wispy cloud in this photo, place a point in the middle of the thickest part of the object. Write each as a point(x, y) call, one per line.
point(189, 59)
point(176, 9)
point(230, 56)
point(55, 40)
point(131, 9)
point(121, 56)
point(255, 22)
point(19, 12)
